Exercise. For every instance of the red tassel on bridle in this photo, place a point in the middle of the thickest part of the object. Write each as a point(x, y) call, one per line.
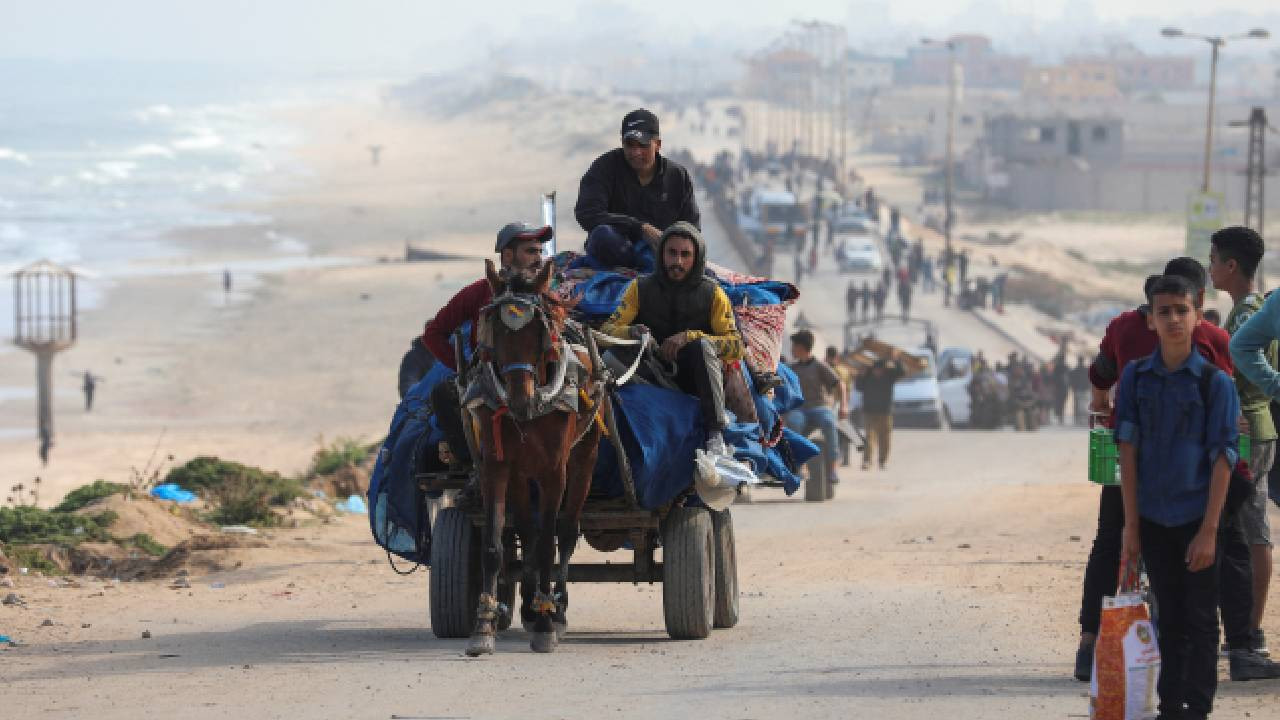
point(495, 429)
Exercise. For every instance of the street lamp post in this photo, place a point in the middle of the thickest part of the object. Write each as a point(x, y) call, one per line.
point(1216, 42)
point(953, 73)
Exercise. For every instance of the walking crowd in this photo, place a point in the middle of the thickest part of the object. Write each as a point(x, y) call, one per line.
point(1178, 392)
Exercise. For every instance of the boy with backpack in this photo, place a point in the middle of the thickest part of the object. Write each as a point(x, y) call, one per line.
point(1176, 432)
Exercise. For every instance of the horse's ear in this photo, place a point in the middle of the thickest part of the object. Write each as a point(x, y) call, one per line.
point(491, 272)
point(542, 282)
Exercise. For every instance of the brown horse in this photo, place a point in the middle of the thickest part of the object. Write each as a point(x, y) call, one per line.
point(524, 442)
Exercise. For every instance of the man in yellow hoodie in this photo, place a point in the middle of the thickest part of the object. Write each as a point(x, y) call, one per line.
point(691, 319)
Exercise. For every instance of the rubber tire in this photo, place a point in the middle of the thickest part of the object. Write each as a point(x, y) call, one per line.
point(454, 584)
point(727, 595)
point(816, 486)
point(688, 573)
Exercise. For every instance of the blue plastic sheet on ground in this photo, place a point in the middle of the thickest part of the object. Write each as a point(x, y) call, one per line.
point(354, 505)
point(170, 491)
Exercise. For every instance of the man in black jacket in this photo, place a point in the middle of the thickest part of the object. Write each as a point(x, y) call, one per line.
point(631, 194)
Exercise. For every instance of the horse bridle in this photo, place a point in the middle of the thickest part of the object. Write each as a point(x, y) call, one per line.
point(515, 311)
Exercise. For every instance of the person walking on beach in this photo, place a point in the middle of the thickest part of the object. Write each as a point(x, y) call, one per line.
point(866, 301)
point(904, 300)
point(964, 266)
point(89, 385)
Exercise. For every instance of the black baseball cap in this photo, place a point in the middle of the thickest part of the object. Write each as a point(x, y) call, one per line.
point(512, 232)
point(640, 125)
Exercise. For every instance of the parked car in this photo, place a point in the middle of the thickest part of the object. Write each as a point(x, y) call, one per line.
point(917, 401)
point(955, 371)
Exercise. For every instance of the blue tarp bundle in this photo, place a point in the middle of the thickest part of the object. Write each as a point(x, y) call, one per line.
point(600, 294)
point(660, 430)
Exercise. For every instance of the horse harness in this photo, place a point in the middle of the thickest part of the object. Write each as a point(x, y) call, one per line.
point(570, 388)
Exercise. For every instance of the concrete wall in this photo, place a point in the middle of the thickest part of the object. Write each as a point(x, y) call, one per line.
point(1068, 186)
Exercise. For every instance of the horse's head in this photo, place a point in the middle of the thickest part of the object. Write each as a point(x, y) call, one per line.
point(519, 329)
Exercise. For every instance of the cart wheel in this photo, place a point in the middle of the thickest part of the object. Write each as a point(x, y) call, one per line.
point(817, 484)
point(688, 573)
point(454, 586)
point(726, 570)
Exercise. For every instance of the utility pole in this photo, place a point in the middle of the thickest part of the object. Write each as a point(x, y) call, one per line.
point(1255, 195)
point(952, 80)
point(1208, 126)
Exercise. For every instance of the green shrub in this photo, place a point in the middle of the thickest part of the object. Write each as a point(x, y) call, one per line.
point(242, 501)
point(30, 525)
point(86, 494)
point(147, 544)
point(338, 454)
point(207, 476)
point(32, 558)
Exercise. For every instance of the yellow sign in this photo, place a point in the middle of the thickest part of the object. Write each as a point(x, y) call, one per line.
point(1206, 213)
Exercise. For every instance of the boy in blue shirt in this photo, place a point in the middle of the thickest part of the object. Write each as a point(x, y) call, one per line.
point(1177, 448)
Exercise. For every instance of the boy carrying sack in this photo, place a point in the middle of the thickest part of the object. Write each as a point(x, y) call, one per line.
point(1177, 448)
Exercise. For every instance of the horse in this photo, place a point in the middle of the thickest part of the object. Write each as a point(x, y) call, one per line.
point(526, 437)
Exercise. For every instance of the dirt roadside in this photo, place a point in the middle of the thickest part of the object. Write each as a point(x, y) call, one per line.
point(944, 587)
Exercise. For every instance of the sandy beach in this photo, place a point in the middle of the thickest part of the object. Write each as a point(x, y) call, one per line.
point(307, 344)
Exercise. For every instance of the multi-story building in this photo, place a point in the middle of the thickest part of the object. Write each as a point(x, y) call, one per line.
point(1075, 82)
point(1136, 71)
point(982, 66)
point(865, 73)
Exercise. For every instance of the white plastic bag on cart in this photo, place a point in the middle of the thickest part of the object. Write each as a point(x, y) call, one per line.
point(717, 478)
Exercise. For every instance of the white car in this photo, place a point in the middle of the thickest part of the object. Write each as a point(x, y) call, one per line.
point(916, 398)
point(954, 374)
point(859, 253)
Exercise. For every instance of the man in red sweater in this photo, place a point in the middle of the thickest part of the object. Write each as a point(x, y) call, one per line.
point(1129, 337)
point(519, 249)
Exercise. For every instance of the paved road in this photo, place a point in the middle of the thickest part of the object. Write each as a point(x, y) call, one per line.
point(822, 301)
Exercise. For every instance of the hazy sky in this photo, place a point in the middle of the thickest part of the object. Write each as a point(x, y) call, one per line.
point(400, 33)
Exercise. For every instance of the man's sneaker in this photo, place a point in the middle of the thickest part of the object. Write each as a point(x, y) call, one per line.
point(715, 445)
point(1258, 643)
point(1249, 665)
point(1084, 662)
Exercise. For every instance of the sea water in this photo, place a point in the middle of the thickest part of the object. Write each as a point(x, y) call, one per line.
point(99, 160)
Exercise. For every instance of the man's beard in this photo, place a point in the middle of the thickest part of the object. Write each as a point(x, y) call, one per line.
point(673, 269)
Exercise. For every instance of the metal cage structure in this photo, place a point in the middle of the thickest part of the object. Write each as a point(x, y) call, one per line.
point(44, 307)
point(44, 322)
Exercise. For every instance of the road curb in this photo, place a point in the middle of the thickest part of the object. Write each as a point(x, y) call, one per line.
point(997, 329)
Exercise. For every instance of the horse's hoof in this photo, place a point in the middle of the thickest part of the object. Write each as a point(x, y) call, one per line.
point(543, 642)
point(481, 645)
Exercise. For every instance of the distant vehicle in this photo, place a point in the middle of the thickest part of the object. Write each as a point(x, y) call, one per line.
point(856, 222)
point(917, 400)
point(858, 253)
point(768, 214)
point(954, 375)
